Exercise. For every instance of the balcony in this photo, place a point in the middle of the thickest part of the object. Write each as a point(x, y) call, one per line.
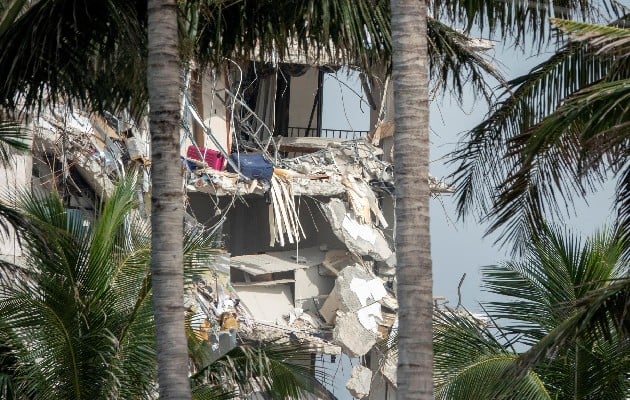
point(343, 134)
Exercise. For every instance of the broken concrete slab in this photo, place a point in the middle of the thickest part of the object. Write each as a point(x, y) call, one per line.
point(381, 388)
point(353, 306)
point(359, 383)
point(336, 260)
point(305, 144)
point(342, 297)
point(355, 340)
point(362, 239)
point(278, 261)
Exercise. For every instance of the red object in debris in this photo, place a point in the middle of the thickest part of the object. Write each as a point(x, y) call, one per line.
point(213, 158)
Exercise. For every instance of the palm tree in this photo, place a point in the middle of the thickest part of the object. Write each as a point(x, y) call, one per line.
point(411, 152)
point(14, 138)
point(167, 206)
point(568, 300)
point(559, 131)
point(549, 287)
point(78, 321)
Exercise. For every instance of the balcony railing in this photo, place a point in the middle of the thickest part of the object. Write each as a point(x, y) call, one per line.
point(294, 131)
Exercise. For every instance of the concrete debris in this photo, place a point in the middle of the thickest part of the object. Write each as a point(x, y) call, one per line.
point(383, 385)
point(342, 297)
point(363, 201)
point(384, 130)
point(213, 306)
point(389, 368)
point(321, 173)
point(361, 239)
point(369, 315)
point(264, 332)
point(277, 261)
point(308, 144)
point(359, 383)
point(72, 136)
point(221, 343)
point(349, 333)
point(387, 267)
point(353, 308)
point(337, 260)
point(368, 289)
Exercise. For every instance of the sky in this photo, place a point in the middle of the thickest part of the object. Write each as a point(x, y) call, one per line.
point(456, 247)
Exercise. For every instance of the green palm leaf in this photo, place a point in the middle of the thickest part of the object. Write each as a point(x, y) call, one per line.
point(601, 313)
point(454, 62)
point(356, 32)
point(557, 133)
point(89, 51)
point(606, 39)
point(13, 138)
point(89, 285)
point(556, 270)
point(564, 300)
point(470, 363)
point(520, 21)
point(277, 369)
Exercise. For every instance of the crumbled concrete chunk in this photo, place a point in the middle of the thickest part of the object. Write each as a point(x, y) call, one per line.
point(362, 239)
point(389, 368)
point(355, 340)
point(354, 306)
point(359, 383)
point(342, 297)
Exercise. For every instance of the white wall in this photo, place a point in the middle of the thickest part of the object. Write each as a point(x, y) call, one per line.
point(13, 177)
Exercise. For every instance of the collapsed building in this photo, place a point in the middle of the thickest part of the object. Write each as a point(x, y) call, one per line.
point(305, 214)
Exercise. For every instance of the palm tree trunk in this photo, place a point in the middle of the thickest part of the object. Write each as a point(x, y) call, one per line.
point(411, 163)
point(167, 213)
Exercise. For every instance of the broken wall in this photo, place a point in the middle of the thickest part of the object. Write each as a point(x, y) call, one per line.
point(246, 227)
point(312, 286)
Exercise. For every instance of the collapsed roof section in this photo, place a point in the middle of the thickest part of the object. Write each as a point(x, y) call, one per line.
point(331, 170)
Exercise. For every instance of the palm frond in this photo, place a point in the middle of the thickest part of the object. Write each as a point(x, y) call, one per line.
point(10, 219)
point(552, 138)
point(470, 362)
point(355, 32)
point(89, 52)
point(480, 165)
point(13, 138)
point(604, 38)
point(212, 392)
point(93, 346)
point(569, 152)
point(279, 370)
point(601, 313)
point(557, 270)
point(455, 62)
point(520, 21)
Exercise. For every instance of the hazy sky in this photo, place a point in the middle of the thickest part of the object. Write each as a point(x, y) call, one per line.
point(457, 248)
